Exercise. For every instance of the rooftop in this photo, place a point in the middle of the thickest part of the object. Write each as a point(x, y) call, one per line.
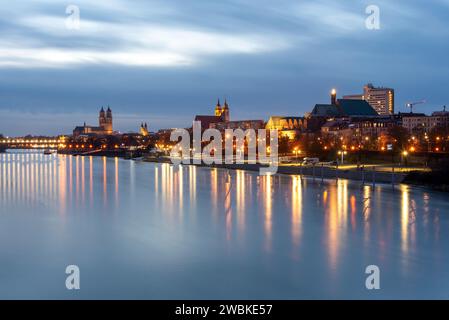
point(344, 108)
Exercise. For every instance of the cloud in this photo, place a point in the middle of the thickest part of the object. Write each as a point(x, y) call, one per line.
point(329, 16)
point(175, 57)
point(23, 57)
point(134, 43)
point(173, 34)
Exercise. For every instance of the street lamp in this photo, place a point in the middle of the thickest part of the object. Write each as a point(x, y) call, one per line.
point(296, 151)
point(404, 156)
point(342, 153)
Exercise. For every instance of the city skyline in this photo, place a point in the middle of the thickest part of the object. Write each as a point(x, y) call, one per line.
point(130, 119)
point(265, 59)
point(257, 154)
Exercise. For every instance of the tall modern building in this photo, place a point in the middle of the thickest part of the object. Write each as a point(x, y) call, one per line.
point(381, 99)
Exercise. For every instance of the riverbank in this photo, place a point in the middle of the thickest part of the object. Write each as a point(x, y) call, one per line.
point(103, 153)
point(368, 175)
point(436, 180)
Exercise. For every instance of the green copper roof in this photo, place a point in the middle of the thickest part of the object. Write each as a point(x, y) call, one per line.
point(344, 108)
point(356, 108)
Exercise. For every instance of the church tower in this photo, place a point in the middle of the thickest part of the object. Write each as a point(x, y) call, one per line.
point(218, 109)
point(144, 129)
point(102, 118)
point(225, 112)
point(105, 120)
point(108, 126)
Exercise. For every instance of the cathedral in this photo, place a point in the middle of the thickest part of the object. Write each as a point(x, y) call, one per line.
point(221, 116)
point(144, 129)
point(104, 128)
point(222, 112)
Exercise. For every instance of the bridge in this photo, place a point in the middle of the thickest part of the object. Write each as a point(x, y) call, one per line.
point(32, 143)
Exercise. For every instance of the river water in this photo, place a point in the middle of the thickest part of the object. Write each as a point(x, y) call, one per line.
point(156, 231)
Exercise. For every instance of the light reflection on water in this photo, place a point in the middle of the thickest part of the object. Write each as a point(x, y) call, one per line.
point(189, 232)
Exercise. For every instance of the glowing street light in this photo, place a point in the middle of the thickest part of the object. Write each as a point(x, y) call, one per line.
point(404, 156)
point(342, 154)
point(296, 151)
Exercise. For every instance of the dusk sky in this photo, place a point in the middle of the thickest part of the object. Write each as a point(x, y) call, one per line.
point(165, 61)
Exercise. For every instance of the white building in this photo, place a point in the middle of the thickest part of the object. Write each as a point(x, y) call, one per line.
point(381, 99)
point(426, 123)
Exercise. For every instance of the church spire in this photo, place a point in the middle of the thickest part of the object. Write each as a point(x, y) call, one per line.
point(218, 109)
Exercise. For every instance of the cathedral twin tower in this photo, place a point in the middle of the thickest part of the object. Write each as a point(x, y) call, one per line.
point(104, 125)
point(222, 112)
point(105, 120)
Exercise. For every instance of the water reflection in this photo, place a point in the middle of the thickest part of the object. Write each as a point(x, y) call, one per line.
point(91, 180)
point(329, 229)
point(105, 181)
point(296, 209)
point(332, 223)
point(404, 219)
point(227, 205)
point(180, 186)
point(192, 183)
point(62, 184)
point(267, 192)
point(214, 189)
point(116, 181)
point(240, 199)
point(408, 223)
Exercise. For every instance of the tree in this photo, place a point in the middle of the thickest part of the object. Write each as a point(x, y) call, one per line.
point(439, 138)
point(400, 136)
point(283, 145)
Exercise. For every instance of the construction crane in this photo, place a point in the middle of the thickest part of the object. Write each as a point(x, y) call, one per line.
point(412, 104)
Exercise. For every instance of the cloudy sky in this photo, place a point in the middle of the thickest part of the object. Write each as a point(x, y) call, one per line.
point(163, 61)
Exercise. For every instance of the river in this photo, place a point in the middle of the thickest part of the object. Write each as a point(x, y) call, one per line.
point(155, 231)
